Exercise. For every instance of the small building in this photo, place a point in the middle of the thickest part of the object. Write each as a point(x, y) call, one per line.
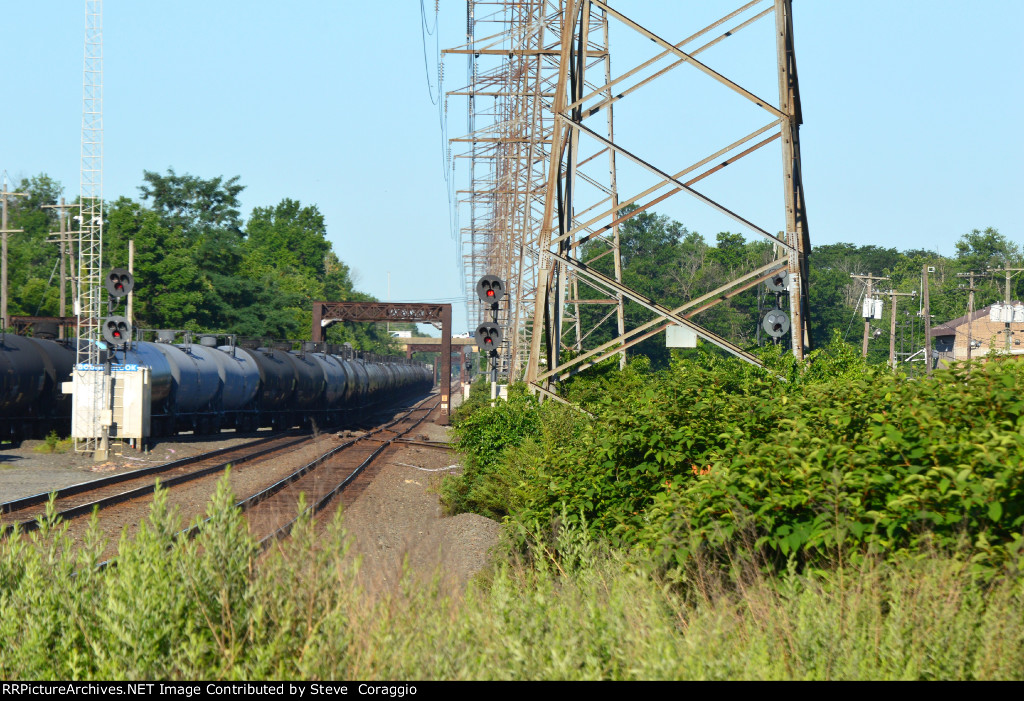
point(989, 329)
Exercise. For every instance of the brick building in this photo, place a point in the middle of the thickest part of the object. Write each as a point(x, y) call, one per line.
point(986, 333)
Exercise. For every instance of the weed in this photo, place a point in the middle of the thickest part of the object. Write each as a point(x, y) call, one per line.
point(54, 444)
point(175, 608)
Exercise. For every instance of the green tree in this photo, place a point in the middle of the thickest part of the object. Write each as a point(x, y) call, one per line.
point(979, 250)
point(206, 213)
point(285, 258)
point(32, 263)
point(191, 202)
point(651, 254)
point(287, 236)
point(170, 288)
point(730, 252)
point(287, 264)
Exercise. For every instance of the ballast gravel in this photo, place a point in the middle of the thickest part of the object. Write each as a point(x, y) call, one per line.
point(392, 512)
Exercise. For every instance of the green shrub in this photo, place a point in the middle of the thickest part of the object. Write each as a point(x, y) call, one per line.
point(824, 463)
point(54, 444)
point(209, 608)
point(589, 388)
point(501, 447)
point(490, 477)
point(479, 396)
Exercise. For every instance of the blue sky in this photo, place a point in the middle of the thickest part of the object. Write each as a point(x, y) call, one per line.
point(912, 114)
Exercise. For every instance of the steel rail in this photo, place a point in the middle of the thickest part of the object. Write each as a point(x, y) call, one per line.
point(321, 503)
point(263, 495)
point(112, 500)
point(246, 504)
point(82, 487)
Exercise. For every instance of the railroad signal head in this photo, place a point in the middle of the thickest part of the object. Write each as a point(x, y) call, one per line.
point(490, 289)
point(779, 282)
point(119, 282)
point(116, 330)
point(488, 336)
point(776, 323)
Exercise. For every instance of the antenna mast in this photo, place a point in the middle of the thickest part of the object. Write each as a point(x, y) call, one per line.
point(87, 428)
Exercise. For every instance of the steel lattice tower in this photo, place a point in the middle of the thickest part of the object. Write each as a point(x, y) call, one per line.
point(513, 51)
point(90, 240)
point(574, 216)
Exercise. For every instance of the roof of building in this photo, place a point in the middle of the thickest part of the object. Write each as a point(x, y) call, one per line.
point(949, 328)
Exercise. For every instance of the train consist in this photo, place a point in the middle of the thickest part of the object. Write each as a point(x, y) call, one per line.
point(205, 387)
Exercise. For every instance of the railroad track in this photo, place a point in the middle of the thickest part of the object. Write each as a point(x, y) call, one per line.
point(272, 513)
point(79, 500)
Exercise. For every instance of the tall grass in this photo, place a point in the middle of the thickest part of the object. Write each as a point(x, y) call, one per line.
point(215, 608)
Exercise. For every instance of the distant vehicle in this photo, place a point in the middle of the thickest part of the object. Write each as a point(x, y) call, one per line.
point(401, 334)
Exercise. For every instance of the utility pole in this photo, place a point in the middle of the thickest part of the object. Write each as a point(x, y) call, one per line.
point(893, 294)
point(927, 322)
point(4, 231)
point(869, 280)
point(971, 289)
point(64, 239)
point(1008, 271)
point(131, 269)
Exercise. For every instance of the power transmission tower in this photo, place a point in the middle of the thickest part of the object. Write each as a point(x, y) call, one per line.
point(512, 71)
point(576, 214)
point(534, 160)
point(3, 263)
point(91, 386)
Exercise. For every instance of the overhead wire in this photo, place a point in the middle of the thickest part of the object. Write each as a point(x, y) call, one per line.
point(46, 289)
point(423, 15)
point(448, 164)
point(426, 67)
point(425, 30)
point(432, 300)
point(862, 292)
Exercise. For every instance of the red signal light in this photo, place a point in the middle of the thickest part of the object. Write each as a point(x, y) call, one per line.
point(490, 289)
point(488, 335)
point(116, 330)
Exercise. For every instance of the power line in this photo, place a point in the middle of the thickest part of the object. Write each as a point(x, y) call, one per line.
point(423, 33)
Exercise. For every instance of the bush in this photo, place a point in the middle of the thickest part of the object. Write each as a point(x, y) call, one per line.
point(825, 463)
point(210, 608)
point(492, 477)
point(54, 444)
